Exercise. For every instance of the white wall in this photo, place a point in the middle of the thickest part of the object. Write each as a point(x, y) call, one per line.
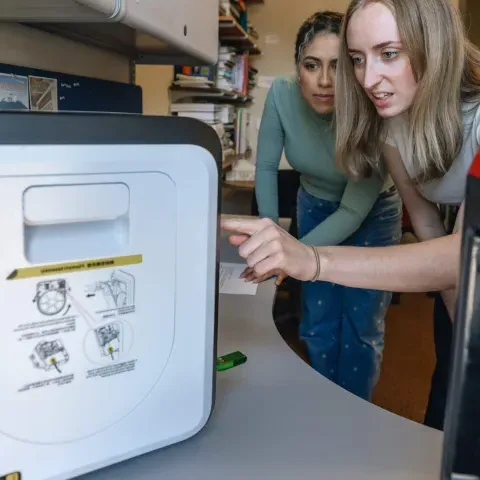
point(28, 47)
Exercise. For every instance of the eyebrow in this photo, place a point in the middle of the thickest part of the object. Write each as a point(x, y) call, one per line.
point(316, 59)
point(376, 47)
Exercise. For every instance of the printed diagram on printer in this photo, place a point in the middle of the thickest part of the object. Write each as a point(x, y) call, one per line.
point(109, 338)
point(108, 343)
point(51, 297)
point(54, 297)
point(75, 322)
point(115, 293)
point(49, 355)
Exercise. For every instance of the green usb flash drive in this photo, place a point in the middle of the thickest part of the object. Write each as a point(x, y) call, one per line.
point(230, 360)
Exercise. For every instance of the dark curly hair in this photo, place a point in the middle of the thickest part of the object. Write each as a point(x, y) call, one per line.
point(320, 22)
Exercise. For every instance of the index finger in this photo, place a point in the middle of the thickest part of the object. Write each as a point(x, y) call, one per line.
point(241, 225)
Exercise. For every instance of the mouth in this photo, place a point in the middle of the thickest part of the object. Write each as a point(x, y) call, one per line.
point(381, 99)
point(323, 97)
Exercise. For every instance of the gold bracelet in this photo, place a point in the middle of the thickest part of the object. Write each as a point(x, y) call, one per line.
point(317, 259)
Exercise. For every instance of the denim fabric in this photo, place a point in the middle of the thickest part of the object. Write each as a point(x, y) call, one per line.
point(343, 327)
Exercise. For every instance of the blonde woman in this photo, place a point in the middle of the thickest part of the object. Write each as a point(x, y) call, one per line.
point(413, 97)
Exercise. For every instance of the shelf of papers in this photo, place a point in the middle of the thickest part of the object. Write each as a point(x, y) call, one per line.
point(240, 184)
point(205, 93)
point(229, 162)
point(220, 94)
point(230, 122)
point(241, 179)
point(232, 34)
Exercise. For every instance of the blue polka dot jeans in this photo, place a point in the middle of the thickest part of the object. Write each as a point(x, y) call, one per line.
point(343, 328)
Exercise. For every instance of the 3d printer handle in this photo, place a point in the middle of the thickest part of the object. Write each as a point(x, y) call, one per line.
point(56, 204)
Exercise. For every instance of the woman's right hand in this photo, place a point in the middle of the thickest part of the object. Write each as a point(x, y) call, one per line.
point(269, 250)
point(249, 276)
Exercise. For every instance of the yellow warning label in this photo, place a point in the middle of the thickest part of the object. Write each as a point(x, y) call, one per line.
point(71, 267)
point(12, 476)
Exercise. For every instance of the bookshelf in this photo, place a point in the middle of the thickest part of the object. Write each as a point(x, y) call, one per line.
point(233, 34)
point(206, 93)
point(221, 94)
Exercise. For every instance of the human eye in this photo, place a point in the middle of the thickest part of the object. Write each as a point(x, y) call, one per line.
point(310, 66)
point(390, 55)
point(356, 60)
point(334, 64)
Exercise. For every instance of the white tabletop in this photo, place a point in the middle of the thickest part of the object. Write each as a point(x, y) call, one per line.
point(276, 418)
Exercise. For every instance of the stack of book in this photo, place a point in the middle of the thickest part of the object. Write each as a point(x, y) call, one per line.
point(221, 117)
point(232, 73)
point(207, 112)
point(242, 125)
point(252, 78)
point(232, 70)
point(217, 95)
point(226, 68)
point(199, 76)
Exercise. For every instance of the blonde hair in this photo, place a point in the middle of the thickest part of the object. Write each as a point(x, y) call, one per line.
point(445, 65)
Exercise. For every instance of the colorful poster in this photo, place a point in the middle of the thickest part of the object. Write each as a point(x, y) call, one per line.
point(43, 94)
point(13, 92)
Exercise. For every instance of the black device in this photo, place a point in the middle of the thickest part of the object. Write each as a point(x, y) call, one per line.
point(461, 448)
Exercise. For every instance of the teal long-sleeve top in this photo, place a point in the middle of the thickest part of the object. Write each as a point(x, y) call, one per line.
point(289, 124)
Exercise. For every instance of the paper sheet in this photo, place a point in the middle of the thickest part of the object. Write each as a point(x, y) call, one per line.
point(231, 283)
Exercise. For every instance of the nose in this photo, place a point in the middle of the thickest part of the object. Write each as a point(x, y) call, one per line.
point(372, 75)
point(324, 78)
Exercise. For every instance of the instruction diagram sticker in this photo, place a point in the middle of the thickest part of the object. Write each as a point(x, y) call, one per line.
point(71, 267)
point(12, 476)
point(49, 354)
point(78, 334)
point(114, 292)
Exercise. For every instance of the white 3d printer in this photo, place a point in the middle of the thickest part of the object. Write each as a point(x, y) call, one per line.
point(108, 288)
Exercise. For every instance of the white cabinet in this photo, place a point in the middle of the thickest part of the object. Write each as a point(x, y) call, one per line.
point(56, 11)
point(150, 31)
point(107, 7)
